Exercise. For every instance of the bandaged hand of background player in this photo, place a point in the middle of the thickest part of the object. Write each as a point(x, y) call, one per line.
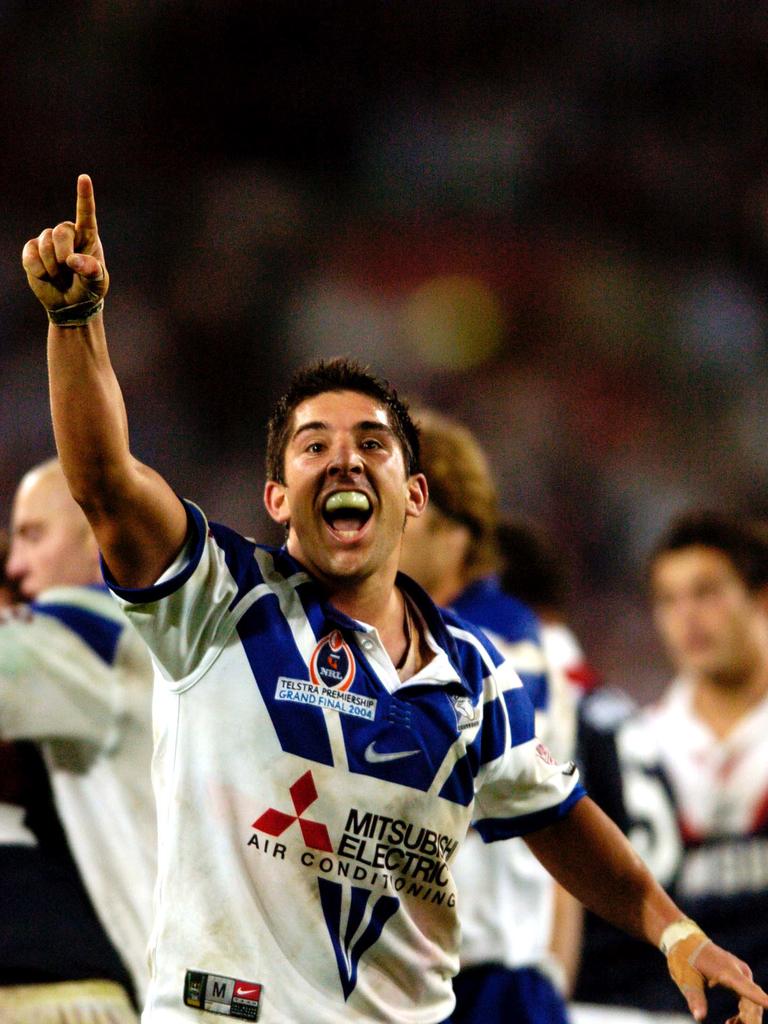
point(696, 963)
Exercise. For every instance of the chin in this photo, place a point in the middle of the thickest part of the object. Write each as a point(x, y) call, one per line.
point(346, 572)
point(348, 569)
point(704, 666)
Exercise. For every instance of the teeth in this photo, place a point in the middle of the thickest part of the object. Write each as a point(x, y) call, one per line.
point(347, 499)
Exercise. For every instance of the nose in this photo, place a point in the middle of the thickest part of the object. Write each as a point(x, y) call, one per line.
point(14, 565)
point(345, 459)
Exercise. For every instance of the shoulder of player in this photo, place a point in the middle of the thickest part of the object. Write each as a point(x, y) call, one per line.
point(607, 708)
point(487, 605)
point(249, 563)
point(95, 599)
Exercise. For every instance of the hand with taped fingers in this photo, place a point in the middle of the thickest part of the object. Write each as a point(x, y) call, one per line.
point(696, 963)
point(65, 265)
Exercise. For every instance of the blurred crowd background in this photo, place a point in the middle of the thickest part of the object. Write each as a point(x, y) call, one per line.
point(548, 219)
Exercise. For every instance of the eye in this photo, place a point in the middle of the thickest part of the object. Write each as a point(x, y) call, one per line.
point(315, 447)
point(371, 444)
point(31, 534)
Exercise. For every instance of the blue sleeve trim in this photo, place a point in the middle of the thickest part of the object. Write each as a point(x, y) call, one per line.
point(493, 829)
point(196, 532)
point(100, 634)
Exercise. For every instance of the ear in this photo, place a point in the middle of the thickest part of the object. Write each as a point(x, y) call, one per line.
point(417, 496)
point(276, 502)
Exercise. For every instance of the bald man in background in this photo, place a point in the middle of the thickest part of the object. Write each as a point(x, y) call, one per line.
point(77, 823)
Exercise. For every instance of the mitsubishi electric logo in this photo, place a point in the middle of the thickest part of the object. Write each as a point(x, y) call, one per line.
point(303, 795)
point(377, 863)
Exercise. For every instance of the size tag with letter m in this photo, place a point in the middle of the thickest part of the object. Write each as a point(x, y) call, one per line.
point(215, 993)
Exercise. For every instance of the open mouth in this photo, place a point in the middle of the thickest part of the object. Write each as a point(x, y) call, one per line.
point(347, 512)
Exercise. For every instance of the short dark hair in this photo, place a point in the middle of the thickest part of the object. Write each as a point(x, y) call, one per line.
point(533, 567)
point(742, 543)
point(340, 374)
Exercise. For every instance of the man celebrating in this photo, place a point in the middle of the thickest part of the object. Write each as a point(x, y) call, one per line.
point(325, 734)
point(76, 687)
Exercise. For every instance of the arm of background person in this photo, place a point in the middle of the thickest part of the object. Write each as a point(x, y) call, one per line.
point(138, 520)
point(565, 943)
point(57, 676)
point(592, 859)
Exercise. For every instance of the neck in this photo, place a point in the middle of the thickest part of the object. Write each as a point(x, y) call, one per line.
point(386, 613)
point(722, 701)
point(372, 601)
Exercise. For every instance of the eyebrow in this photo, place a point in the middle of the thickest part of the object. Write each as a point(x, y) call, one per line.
point(365, 426)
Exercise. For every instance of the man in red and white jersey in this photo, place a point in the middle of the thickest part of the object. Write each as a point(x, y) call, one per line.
point(687, 777)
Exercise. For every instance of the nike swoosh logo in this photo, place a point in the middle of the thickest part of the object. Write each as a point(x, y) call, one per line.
point(373, 757)
point(245, 991)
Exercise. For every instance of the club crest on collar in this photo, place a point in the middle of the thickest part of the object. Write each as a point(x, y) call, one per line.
point(332, 663)
point(467, 716)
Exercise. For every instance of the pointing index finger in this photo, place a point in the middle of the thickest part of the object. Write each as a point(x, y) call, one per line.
point(85, 218)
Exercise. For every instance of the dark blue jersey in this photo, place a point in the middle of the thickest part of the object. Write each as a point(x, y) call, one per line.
point(49, 931)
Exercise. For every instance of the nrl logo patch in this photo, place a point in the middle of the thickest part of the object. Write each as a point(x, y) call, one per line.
point(332, 663)
point(467, 716)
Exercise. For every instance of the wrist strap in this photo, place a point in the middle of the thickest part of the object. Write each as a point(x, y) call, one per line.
point(78, 314)
point(676, 932)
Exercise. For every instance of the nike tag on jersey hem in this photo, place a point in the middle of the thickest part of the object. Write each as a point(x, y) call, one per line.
point(372, 756)
point(217, 994)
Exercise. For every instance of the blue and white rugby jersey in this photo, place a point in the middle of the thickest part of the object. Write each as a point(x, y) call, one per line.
point(505, 895)
point(308, 816)
point(76, 678)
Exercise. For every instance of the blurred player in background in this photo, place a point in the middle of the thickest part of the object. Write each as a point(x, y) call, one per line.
point(75, 721)
point(326, 734)
point(533, 568)
point(506, 898)
point(693, 767)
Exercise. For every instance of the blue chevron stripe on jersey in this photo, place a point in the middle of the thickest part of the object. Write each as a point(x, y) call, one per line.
point(272, 652)
point(358, 936)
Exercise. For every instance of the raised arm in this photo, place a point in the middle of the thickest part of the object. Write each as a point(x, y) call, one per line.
point(594, 861)
point(138, 520)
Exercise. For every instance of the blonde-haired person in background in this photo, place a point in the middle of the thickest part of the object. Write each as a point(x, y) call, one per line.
point(506, 898)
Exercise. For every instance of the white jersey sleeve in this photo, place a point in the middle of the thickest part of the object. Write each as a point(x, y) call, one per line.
point(56, 676)
point(187, 617)
point(530, 780)
point(520, 787)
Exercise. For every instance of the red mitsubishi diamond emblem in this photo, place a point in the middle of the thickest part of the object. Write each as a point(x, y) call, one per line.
point(303, 795)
